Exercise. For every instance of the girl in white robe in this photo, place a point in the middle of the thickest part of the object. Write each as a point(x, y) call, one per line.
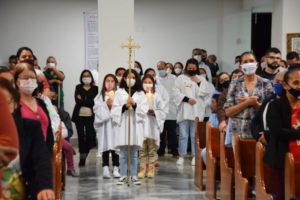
point(190, 93)
point(138, 108)
point(154, 124)
point(105, 132)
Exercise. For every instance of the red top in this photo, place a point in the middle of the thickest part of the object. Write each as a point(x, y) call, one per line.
point(294, 146)
point(39, 115)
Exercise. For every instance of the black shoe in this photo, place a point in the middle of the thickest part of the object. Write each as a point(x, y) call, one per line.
point(81, 162)
point(160, 153)
point(72, 173)
point(175, 153)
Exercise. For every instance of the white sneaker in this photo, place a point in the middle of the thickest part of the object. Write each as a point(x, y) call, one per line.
point(106, 173)
point(116, 172)
point(122, 180)
point(135, 181)
point(193, 161)
point(180, 161)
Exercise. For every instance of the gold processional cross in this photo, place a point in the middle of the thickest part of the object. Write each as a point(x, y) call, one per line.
point(130, 46)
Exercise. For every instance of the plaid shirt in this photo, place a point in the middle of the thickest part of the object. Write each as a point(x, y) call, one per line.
point(241, 122)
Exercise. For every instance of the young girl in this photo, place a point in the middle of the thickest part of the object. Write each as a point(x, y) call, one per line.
point(154, 124)
point(136, 104)
point(104, 128)
point(190, 92)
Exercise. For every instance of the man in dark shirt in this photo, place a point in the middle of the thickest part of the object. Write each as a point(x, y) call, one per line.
point(273, 58)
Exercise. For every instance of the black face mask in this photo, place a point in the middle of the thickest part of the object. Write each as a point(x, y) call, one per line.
point(225, 84)
point(273, 66)
point(294, 92)
point(191, 72)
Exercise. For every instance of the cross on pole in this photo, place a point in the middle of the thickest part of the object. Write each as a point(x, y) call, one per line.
point(130, 46)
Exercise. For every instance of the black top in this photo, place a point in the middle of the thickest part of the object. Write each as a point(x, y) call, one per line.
point(267, 75)
point(35, 159)
point(257, 124)
point(65, 117)
point(281, 132)
point(87, 99)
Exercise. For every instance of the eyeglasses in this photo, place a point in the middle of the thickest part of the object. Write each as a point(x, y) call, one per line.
point(274, 58)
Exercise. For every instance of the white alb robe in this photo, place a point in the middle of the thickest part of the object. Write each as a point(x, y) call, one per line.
point(185, 87)
point(103, 124)
point(154, 125)
point(137, 119)
point(168, 83)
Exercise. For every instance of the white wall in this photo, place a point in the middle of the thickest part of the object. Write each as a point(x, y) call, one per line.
point(116, 24)
point(53, 27)
point(170, 29)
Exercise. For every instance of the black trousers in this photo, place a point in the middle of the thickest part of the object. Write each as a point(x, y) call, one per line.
point(86, 134)
point(169, 133)
point(115, 158)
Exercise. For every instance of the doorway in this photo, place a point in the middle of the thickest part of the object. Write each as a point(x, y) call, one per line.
point(261, 33)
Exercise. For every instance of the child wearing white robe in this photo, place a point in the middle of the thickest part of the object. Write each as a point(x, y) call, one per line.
point(190, 92)
point(137, 106)
point(103, 124)
point(154, 124)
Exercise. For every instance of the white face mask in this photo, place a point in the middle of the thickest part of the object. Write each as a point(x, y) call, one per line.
point(178, 70)
point(27, 86)
point(138, 70)
point(169, 71)
point(147, 86)
point(51, 64)
point(87, 80)
point(130, 82)
point(249, 68)
point(198, 58)
point(119, 78)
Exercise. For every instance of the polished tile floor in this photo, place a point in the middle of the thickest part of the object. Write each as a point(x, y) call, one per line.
point(171, 182)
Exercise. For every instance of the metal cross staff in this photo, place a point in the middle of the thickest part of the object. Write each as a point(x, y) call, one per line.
point(130, 46)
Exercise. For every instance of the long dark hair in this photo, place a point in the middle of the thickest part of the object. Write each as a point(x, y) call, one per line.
point(140, 66)
point(191, 61)
point(138, 83)
point(81, 75)
point(20, 50)
point(219, 86)
point(103, 85)
point(152, 79)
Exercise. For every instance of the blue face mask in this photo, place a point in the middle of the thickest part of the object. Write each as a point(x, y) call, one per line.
point(278, 89)
point(162, 73)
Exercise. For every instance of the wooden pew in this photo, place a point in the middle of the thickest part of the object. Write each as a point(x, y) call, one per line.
point(200, 142)
point(292, 177)
point(227, 169)
point(57, 165)
point(244, 166)
point(212, 160)
point(263, 178)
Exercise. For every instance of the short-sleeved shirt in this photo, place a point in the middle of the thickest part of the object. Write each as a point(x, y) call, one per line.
point(294, 146)
point(39, 116)
point(241, 122)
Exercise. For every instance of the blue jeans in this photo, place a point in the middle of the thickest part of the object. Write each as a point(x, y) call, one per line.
point(133, 161)
point(186, 128)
